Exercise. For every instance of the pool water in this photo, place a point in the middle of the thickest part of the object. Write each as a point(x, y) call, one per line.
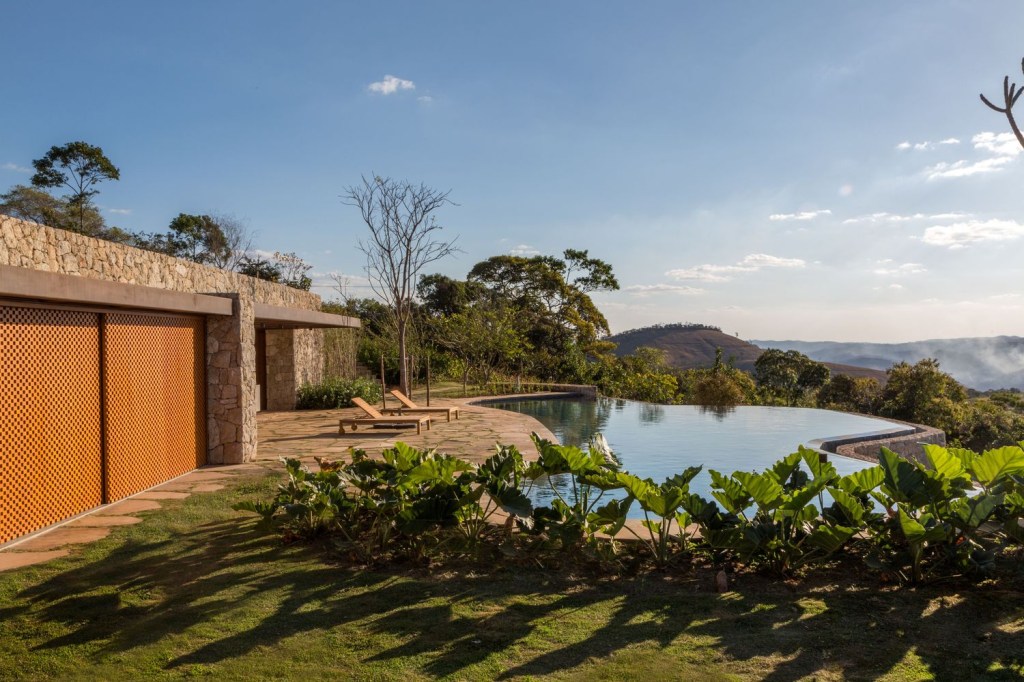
point(658, 441)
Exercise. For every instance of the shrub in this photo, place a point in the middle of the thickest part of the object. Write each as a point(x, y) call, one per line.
point(335, 393)
point(909, 521)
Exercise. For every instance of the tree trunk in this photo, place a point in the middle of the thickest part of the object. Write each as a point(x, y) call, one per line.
point(403, 367)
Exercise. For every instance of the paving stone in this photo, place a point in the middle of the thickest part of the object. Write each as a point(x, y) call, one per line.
point(207, 487)
point(65, 535)
point(161, 495)
point(103, 521)
point(128, 507)
point(11, 559)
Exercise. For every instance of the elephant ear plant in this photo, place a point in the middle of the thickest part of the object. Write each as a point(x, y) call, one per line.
point(953, 515)
point(577, 480)
point(785, 530)
point(665, 517)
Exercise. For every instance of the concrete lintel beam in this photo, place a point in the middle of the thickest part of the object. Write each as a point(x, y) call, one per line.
point(48, 286)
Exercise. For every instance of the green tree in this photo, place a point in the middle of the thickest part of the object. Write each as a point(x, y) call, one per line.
point(38, 206)
point(788, 376)
point(483, 339)
point(441, 295)
point(843, 392)
point(260, 268)
point(79, 166)
point(921, 393)
point(551, 297)
point(197, 238)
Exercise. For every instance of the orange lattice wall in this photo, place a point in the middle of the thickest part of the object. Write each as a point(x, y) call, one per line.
point(154, 400)
point(50, 434)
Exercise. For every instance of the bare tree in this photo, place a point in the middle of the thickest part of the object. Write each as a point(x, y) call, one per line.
point(237, 240)
point(1011, 93)
point(402, 241)
point(343, 285)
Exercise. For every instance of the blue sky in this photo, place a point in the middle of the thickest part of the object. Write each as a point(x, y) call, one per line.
point(784, 170)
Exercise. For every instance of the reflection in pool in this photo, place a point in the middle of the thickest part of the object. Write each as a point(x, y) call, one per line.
point(657, 441)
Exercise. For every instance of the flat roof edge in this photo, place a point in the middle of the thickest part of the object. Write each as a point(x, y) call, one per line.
point(41, 285)
point(300, 318)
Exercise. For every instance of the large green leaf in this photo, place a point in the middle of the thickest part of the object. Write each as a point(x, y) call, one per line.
point(783, 469)
point(863, 481)
point(946, 464)
point(634, 485)
point(729, 492)
point(763, 488)
point(850, 505)
point(512, 501)
point(974, 511)
point(798, 499)
point(663, 501)
point(683, 480)
point(819, 469)
point(992, 465)
point(906, 481)
point(829, 538)
point(916, 532)
point(611, 517)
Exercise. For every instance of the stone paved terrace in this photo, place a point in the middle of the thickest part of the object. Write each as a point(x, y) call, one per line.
point(312, 433)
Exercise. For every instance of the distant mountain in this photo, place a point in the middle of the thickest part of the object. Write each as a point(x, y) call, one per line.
point(692, 346)
point(981, 363)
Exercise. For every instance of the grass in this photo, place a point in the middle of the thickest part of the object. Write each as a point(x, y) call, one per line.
point(198, 591)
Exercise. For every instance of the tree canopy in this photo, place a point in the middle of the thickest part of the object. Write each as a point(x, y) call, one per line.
point(79, 166)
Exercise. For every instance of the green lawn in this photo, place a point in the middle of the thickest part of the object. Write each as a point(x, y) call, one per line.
point(197, 591)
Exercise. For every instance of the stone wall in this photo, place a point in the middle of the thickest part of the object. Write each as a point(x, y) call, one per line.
point(230, 341)
point(28, 245)
point(908, 446)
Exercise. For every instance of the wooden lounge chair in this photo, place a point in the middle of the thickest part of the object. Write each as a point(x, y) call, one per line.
point(375, 418)
point(409, 407)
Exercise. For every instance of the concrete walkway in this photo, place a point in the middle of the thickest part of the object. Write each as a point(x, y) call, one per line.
point(305, 435)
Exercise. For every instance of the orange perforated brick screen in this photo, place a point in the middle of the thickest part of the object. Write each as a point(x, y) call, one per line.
point(49, 417)
point(155, 407)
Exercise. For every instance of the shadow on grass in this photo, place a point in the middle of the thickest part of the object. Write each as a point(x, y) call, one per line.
point(246, 593)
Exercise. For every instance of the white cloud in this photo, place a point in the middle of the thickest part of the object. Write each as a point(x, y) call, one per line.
point(120, 211)
point(885, 269)
point(1000, 144)
point(803, 215)
point(925, 146)
point(425, 99)
point(390, 85)
point(647, 289)
point(963, 168)
point(960, 235)
point(884, 217)
point(756, 261)
point(724, 273)
point(524, 250)
point(16, 168)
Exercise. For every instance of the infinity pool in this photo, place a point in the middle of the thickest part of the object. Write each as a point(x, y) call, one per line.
point(657, 441)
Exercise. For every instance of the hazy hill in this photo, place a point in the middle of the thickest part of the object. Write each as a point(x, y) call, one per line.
point(980, 363)
point(689, 346)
